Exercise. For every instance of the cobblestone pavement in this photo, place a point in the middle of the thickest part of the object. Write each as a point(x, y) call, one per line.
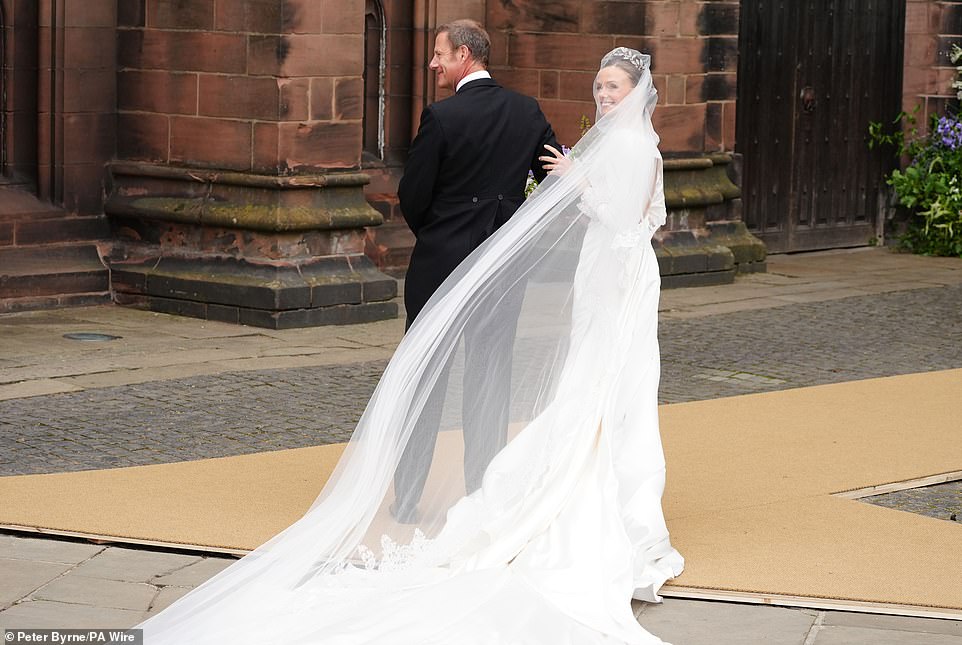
point(199, 417)
point(242, 412)
point(811, 344)
point(941, 501)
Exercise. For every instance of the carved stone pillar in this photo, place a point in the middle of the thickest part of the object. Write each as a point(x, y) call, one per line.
point(705, 240)
point(238, 196)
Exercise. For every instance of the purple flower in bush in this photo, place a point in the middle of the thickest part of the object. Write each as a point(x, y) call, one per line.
point(949, 132)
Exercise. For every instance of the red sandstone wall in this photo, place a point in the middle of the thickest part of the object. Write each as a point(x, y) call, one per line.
point(274, 85)
point(268, 86)
point(552, 50)
point(19, 100)
point(77, 123)
point(930, 29)
point(59, 105)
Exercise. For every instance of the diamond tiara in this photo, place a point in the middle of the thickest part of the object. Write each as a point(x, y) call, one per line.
point(636, 58)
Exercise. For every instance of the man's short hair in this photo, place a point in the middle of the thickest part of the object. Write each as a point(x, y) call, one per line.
point(472, 35)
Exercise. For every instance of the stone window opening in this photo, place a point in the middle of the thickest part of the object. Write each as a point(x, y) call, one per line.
point(375, 47)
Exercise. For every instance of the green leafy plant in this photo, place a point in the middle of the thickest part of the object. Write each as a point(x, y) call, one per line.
point(930, 186)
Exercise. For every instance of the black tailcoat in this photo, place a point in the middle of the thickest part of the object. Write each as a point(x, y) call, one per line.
point(465, 176)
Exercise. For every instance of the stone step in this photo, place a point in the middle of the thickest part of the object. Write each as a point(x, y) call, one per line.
point(38, 277)
point(26, 220)
point(17, 203)
point(53, 230)
point(36, 303)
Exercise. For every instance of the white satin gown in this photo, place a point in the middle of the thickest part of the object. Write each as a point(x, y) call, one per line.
point(567, 526)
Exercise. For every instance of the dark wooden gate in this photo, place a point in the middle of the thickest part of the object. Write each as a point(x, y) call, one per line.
point(812, 75)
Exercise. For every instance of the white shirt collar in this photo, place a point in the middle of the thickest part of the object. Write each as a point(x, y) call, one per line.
point(473, 76)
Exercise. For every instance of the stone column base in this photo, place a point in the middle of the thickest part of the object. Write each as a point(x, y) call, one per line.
point(704, 241)
point(330, 291)
point(275, 252)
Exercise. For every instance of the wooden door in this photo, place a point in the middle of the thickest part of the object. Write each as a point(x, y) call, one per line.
point(812, 75)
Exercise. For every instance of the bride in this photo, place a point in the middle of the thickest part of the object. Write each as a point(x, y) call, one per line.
point(567, 525)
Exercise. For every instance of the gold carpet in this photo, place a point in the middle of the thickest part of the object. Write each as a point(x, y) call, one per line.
point(750, 499)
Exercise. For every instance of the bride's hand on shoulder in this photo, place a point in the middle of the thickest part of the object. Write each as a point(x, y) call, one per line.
point(555, 163)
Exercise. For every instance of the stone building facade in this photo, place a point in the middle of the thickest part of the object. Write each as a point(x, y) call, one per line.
point(551, 51)
point(931, 28)
point(238, 159)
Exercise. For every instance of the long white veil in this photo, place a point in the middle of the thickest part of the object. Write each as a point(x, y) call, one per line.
point(521, 346)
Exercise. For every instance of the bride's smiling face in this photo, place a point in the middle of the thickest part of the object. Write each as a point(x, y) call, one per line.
point(612, 84)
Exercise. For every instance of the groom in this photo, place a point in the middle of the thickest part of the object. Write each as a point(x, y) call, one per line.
point(464, 177)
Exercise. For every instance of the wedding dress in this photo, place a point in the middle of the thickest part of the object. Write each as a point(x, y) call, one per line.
point(567, 524)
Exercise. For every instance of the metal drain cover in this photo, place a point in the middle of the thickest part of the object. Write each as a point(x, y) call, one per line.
point(90, 337)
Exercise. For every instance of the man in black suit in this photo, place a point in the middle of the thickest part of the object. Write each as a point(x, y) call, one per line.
point(464, 178)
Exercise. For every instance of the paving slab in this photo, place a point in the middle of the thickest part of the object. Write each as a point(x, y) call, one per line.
point(44, 614)
point(36, 387)
point(820, 296)
point(694, 622)
point(769, 278)
point(194, 574)
point(895, 285)
point(43, 550)
point(133, 565)
point(27, 373)
point(864, 636)
point(328, 357)
point(166, 597)
point(185, 355)
point(669, 311)
point(98, 592)
point(300, 350)
point(909, 624)
point(140, 375)
point(23, 577)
